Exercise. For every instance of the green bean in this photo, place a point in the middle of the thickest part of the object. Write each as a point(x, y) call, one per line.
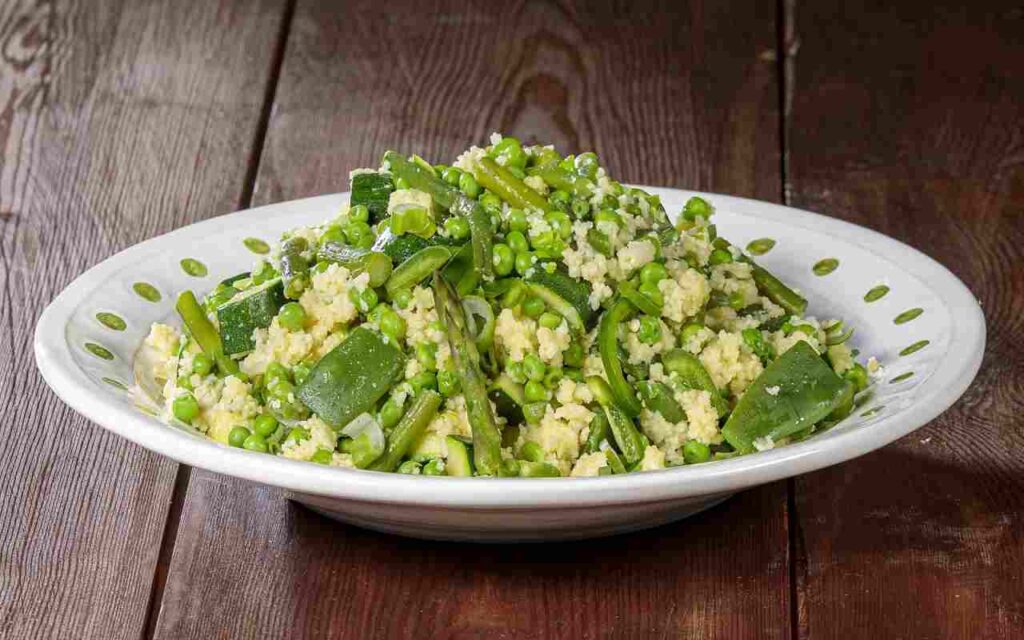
point(561, 179)
point(598, 432)
point(692, 374)
point(294, 265)
point(416, 268)
point(630, 442)
point(529, 469)
point(408, 430)
point(486, 437)
point(608, 345)
point(375, 264)
point(194, 317)
point(506, 186)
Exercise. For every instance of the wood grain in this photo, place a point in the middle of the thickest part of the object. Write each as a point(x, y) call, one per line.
point(909, 118)
point(118, 121)
point(667, 93)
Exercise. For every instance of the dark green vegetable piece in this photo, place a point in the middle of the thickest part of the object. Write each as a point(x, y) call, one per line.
point(401, 248)
point(486, 437)
point(564, 294)
point(608, 345)
point(598, 432)
point(639, 300)
point(294, 266)
point(408, 430)
point(559, 178)
point(508, 398)
point(372, 190)
point(416, 268)
point(793, 393)
point(352, 377)
point(529, 469)
point(252, 309)
point(692, 374)
point(203, 331)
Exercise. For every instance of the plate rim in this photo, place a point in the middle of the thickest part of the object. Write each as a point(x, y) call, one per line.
point(943, 388)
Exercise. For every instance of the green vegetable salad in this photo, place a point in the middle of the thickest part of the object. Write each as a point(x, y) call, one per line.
point(515, 313)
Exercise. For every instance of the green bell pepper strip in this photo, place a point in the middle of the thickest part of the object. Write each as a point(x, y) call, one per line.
point(626, 435)
point(448, 197)
point(614, 461)
point(804, 391)
point(415, 269)
point(506, 186)
point(639, 300)
point(486, 436)
point(608, 345)
point(559, 178)
point(409, 429)
point(692, 374)
point(598, 432)
point(352, 377)
point(374, 263)
point(203, 331)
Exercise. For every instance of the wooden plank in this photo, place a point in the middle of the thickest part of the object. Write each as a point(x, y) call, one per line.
point(666, 95)
point(118, 121)
point(909, 118)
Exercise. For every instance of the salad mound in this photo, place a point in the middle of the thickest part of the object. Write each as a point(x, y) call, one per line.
point(515, 313)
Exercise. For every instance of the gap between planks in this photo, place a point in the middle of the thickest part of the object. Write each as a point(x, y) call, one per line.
point(184, 472)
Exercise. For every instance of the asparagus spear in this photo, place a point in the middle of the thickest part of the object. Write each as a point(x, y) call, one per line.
point(203, 331)
point(486, 437)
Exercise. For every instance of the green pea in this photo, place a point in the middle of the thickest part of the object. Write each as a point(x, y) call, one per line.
point(608, 215)
point(561, 222)
point(358, 229)
point(255, 442)
point(653, 273)
point(334, 234)
point(322, 456)
point(573, 374)
point(468, 185)
point(265, 425)
point(281, 389)
point(517, 241)
point(587, 165)
point(580, 208)
point(275, 371)
point(516, 372)
point(447, 383)
point(184, 382)
point(202, 364)
point(390, 413)
point(720, 256)
point(185, 408)
point(535, 392)
point(509, 153)
point(514, 295)
point(392, 324)
point(434, 468)
point(553, 377)
point(574, 355)
point(359, 213)
point(650, 330)
point(237, 436)
point(549, 320)
point(600, 242)
point(457, 227)
point(410, 467)
point(568, 163)
point(403, 298)
point(697, 206)
point(401, 183)
point(560, 200)
point(296, 434)
point(426, 354)
point(517, 220)
point(695, 452)
point(652, 292)
point(858, 375)
point(736, 300)
point(292, 316)
point(533, 307)
point(451, 175)
point(524, 261)
point(503, 259)
point(423, 380)
point(490, 201)
point(534, 367)
point(534, 411)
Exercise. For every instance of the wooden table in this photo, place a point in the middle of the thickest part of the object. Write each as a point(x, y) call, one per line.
point(120, 120)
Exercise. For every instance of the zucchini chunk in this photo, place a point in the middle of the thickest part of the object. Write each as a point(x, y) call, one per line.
point(251, 309)
point(372, 190)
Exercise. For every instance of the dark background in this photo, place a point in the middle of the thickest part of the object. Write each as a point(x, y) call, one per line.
point(121, 120)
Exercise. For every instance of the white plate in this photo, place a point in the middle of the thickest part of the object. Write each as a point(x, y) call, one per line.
point(534, 509)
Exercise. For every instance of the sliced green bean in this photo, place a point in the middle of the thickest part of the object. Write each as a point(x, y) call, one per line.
point(374, 263)
point(692, 374)
point(415, 269)
point(559, 178)
point(506, 186)
point(408, 430)
point(205, 334)
point(608, 345)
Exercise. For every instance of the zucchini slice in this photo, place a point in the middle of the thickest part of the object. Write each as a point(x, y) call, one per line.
point(565, 294)
point(251, 309)
point(372, 190)
point(460, 459)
